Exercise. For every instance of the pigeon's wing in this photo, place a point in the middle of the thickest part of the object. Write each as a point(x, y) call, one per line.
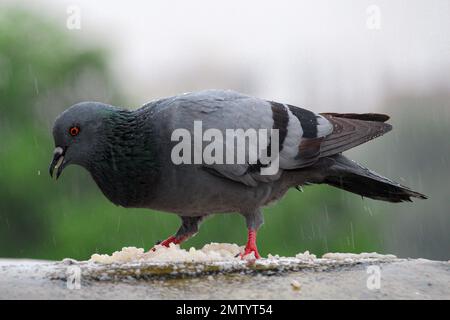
point(300, 132)
point(303, 136)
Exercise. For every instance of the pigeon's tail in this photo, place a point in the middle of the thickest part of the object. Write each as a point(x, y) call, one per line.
point(351, 130)
point(350, 176)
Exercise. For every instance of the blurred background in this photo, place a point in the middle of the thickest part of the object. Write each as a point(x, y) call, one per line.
point(346, 56)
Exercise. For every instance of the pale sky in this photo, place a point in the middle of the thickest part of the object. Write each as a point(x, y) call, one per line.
point(304, 52)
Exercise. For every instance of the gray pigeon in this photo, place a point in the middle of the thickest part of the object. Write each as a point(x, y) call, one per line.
point(130, 155)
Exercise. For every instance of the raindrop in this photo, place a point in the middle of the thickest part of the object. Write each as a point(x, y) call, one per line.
point(36, 86)
point(352, 235)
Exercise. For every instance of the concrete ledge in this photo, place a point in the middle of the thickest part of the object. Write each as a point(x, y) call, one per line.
point(284, 278)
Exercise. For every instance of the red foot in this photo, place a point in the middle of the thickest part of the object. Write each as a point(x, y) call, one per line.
point(169, 240)
point(251, 245)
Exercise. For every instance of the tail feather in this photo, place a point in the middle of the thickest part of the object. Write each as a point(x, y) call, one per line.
point(377, 117)
point(351, 130)
point(350, 176)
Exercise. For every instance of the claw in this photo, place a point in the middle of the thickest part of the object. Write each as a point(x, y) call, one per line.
point(248, 252)
point(168, 241)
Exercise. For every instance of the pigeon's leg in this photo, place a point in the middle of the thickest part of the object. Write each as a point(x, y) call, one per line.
point(254, 221)
point(189, 227)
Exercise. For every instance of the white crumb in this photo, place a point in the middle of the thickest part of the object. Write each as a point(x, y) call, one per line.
point(209, 252)
point(355, 256)
point(295, 285)
point(127, 254)
point(306, 256)
point(69, 261)
point(250, 257)
point(215, 252)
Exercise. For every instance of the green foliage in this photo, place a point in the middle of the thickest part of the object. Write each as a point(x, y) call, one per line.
point(36, 58)
point(42, 71)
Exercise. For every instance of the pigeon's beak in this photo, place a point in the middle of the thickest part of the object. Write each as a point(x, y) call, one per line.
point(58, 162)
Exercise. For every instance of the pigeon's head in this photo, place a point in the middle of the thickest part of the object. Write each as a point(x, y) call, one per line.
point(77, 132)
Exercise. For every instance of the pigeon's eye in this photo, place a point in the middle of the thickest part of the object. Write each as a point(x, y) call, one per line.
point(74, 131)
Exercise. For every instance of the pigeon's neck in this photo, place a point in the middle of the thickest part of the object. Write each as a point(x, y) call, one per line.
point(125, 164)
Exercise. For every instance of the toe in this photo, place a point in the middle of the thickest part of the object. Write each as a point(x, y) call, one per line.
point(250, 251)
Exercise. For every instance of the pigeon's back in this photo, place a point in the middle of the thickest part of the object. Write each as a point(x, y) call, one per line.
point(303, 136)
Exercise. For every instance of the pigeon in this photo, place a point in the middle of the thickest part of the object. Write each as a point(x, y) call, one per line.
point(130, 155)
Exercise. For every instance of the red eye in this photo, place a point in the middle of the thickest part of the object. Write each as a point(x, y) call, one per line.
point(74, 131)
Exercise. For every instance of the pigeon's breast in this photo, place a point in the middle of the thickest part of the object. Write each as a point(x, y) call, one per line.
point(125, 166)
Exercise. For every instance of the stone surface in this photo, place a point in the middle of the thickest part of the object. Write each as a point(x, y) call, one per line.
point(282, 278)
